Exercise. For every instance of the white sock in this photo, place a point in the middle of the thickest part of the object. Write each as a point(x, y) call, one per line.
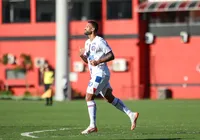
point(121, 106)
point(92, 112)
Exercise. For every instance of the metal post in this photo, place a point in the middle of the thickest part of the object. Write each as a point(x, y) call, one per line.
point(62, 62)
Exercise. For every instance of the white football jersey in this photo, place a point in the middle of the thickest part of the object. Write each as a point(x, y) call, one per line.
point(94, 50)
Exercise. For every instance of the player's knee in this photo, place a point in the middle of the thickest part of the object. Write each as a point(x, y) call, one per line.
point(110, 99)
point(109, 96)
point(89, 97)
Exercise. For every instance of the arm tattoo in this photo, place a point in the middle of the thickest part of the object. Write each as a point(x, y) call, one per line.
point(108, 57)
point(84, 58)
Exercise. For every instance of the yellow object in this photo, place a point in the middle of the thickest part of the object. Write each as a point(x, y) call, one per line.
point(47, 94)
point(48, 77)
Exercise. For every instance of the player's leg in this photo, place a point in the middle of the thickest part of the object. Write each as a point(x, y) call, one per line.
point(116, 102)
point(121, 106)
point(97, 83)
point(47, 101)
point(91, 108)
point(92, 114)
point(46, 87)
point(51, 100)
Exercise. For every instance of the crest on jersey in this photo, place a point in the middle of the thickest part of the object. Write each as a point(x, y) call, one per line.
point(93, 48)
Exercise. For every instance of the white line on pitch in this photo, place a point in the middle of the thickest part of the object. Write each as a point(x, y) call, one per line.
point(29, 134)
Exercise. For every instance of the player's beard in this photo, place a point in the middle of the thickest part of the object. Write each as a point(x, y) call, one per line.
point(88, 32)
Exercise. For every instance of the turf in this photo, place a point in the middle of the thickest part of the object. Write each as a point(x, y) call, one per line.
point(159, 120)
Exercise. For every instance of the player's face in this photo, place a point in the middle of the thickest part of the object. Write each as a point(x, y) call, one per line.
point(88, 29)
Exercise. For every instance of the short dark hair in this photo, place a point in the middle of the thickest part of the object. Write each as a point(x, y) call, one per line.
point(94, 24)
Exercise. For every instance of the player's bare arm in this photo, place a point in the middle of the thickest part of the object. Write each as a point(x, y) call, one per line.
point(108, 57)
point(84, 58)
point(81, 54)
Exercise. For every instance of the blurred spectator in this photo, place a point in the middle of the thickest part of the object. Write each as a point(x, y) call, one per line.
point(65, 85)
point(48, 80)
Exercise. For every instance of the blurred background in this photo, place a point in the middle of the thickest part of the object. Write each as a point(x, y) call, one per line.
point(155, 42)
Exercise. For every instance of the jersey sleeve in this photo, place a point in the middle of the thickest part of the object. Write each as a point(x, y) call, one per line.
point(104, 46)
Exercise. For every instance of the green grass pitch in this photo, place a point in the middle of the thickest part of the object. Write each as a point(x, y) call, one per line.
point(158, 120)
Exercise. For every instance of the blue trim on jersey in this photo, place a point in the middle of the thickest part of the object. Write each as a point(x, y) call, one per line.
point(90, 84)
point(98, 79)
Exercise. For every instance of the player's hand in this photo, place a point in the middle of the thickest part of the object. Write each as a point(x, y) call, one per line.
point(94, 62)
point(81, 51)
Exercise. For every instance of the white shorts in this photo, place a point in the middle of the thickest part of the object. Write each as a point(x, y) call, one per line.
point(98, 85)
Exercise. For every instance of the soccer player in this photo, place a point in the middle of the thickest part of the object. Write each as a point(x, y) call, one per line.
point(96, 53)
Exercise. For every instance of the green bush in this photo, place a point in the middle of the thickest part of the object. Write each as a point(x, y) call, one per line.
point(27, 93)
point(4, 59)
point(6, 93)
